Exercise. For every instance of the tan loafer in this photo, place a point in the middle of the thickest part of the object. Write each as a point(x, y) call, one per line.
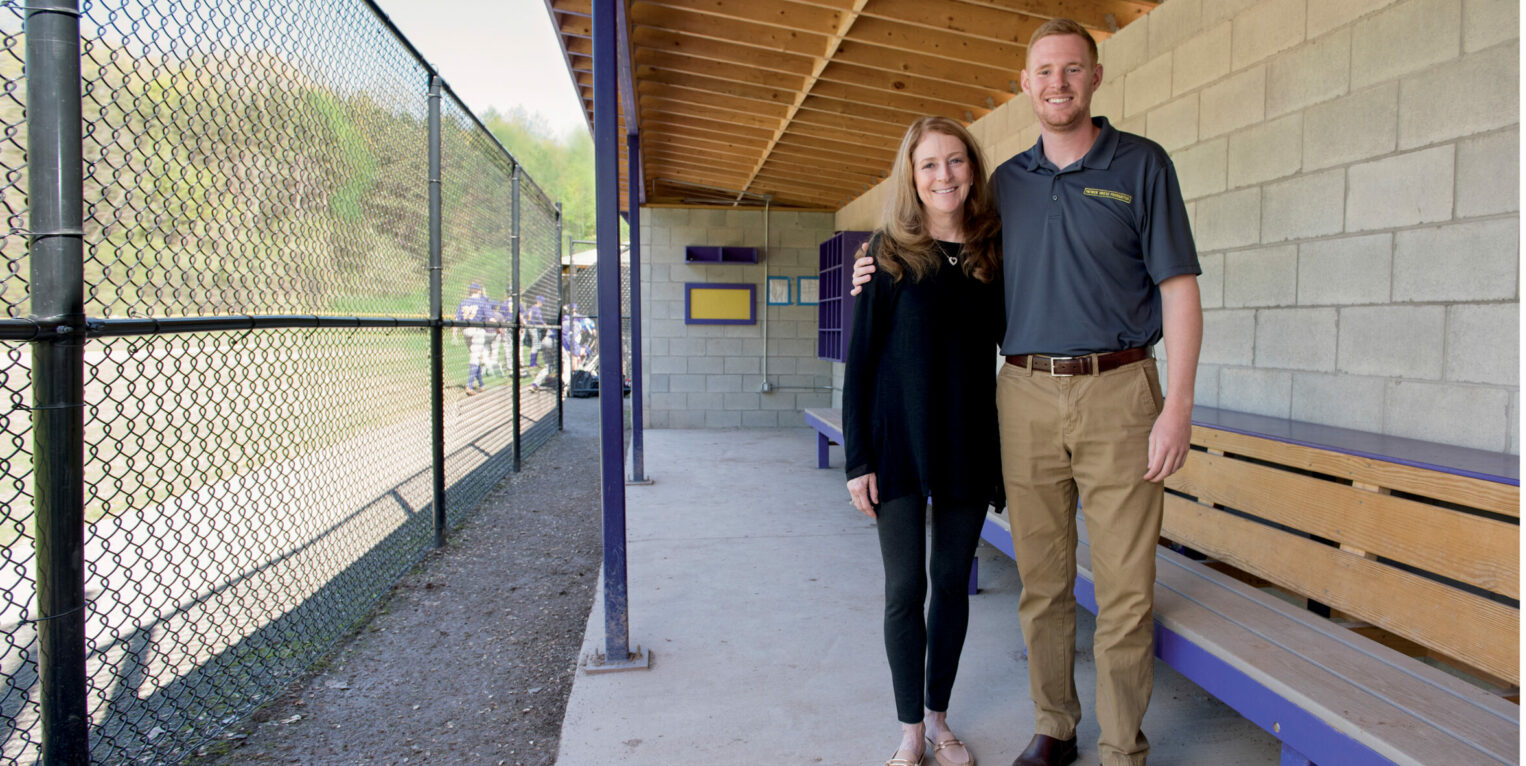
point(896, 761)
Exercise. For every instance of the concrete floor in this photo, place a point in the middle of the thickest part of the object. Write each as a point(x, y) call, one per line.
point(757, 588)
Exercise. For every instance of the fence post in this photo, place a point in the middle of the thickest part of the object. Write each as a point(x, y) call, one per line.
point(633, 192)
point(561, 300)
point(519, 311)
point(617, 654)
point(436, 315)
point(55, 161)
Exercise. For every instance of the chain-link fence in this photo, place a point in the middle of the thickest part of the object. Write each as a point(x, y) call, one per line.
point(582, 288)
point(270, 356)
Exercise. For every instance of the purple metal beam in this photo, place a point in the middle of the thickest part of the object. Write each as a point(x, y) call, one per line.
point(617, 654)
point(633, 217)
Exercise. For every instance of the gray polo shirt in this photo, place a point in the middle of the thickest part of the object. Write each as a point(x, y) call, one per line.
point(1086, 247)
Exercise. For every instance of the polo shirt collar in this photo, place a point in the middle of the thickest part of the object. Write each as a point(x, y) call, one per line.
point(1099, 157)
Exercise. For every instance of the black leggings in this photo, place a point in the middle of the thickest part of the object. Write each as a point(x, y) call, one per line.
point(908, 639)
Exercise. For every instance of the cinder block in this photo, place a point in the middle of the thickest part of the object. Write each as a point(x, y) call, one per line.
point(742, 401)
point(1126, 50)
point(822, 399)
point(709, 219)
point(724, 384)
point(1210, 283)
point(1138, 125)
point(1410, 36)
point(1228, 220)
point(656, 384)
point(1325, 15)
point(1342, 401)
point(1310, 74)
point(1229, 337)
point(705, 401)
point(1311, 205)
point(1265, 151)
point(664, 401)
point(1201, 60)
point(742, 365)
point(723, 347)
point(706, 365)
point(1514, 420)
point(1346, 272)
point(1266, 29)
point(1392, 341)
point(753, 347)
point(1405, 190)
point(1147, 86)
point(1223, 10)
point(657, 419)
point(1296, 339)
point(1234, 102)
point(1259, 392)
point(760, 419)
point(1201, 170)
point(723, 419)
point(785, 365)
point(668, 364)
point(1484, 343)
point(1450, 413)
point(1264, 277)
point(1173, 23)
point(1174, 125)
point(687, 383)
point(1489, 22)
point(1482, 92)
point(1355, 127)
point(1472, 261)
point(1488, 174)
point(1205, 389)
point(777, 400)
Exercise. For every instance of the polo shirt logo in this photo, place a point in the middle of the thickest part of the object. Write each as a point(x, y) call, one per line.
point(1109, 194)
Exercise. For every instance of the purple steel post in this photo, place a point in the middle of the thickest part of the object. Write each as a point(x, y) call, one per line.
point(633, 191)
point(617, 654)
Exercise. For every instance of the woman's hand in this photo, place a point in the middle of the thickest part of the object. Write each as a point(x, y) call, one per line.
point(865, 491)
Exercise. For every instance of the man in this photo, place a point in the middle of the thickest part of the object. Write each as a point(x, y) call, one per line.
point(1099, 266)
point(533, 318)
point(475, 307)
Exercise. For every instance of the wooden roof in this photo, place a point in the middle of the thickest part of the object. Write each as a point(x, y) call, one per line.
point(806, 100)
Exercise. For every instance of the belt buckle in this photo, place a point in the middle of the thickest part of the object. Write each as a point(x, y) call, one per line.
point(1053, 359)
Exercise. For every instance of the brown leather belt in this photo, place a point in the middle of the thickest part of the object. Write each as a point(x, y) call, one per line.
point(1066, 366)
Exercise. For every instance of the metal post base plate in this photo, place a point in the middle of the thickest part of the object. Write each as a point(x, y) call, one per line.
point(596, 662)
point(631, 481)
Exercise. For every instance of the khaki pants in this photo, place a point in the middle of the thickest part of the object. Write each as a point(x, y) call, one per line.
point(1086, 438)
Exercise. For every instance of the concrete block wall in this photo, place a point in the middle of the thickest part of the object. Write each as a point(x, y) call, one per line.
point(710, 376)
point(1351, 169)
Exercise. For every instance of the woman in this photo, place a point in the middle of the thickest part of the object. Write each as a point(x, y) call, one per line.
point(919, 414)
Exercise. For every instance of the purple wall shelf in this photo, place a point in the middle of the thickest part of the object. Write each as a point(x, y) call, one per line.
point(718, 254)
point(834, 308)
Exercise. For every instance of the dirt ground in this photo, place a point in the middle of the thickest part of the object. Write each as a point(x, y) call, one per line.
point(471, 657)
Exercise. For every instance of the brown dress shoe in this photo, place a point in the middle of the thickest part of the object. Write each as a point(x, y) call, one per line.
point(1047, 751)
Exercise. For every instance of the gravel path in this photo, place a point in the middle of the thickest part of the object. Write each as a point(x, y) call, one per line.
point(471, 658)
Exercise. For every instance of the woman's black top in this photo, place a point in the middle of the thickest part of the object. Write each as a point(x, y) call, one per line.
point(919, 395)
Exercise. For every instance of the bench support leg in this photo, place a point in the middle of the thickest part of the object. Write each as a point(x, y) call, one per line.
point(1291, 757)
point(821, 450)
point(974, 575)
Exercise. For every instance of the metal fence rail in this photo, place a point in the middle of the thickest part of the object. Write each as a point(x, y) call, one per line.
point(236, 403)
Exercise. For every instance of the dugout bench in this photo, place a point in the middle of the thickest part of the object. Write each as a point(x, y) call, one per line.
point(1335, 587)
point(1339, 565)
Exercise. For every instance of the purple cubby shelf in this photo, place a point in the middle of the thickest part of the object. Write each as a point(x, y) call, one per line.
point(834, 309)
point(719, 254)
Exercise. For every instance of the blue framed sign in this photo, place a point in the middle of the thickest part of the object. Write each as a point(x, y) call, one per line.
point(779, 291)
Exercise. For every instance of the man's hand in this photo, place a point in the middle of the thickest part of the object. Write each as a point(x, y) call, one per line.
point(865, 491)
point(1170, 441)
point(863, 268)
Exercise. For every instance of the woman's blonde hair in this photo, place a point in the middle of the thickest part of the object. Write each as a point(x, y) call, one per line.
point(905, 244)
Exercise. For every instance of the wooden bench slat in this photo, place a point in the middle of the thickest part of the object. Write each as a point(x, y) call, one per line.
point(1475, 630)
point(1403, 710)
point(1490, 496)
point(1472, 549)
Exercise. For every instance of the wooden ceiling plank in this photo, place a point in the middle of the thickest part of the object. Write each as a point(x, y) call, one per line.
point(910, 63)
point(701, 123)
point(683, 111)
point(899, 118)
point(709, 84)
point(845, 21)
point(725, 30)
point(1092, 14)
point(575, 26)
point(737, 73)
point(930, 42)
point(782, 14)
point(726, 52)
point(703, 98)
point(896, 82)
point(907, 102)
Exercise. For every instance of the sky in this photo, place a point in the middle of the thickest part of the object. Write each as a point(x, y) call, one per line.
point(496, 54)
